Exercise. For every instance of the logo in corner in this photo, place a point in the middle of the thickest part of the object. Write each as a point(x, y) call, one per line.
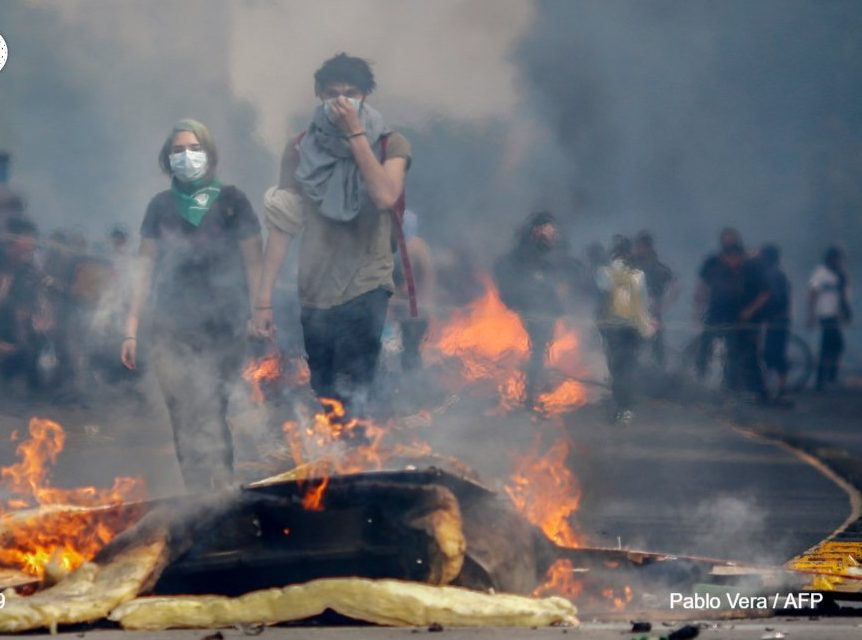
point(202, 199)
point(4, 52)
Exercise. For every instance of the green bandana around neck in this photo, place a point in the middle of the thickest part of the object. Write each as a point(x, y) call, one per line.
point(194, 204)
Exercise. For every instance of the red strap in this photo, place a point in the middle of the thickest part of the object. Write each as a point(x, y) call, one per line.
point(398, 220)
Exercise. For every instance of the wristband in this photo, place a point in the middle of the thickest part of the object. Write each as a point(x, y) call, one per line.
point(127, 338)
point(356, 135)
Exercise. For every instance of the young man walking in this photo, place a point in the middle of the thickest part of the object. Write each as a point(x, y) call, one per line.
point(340, 181)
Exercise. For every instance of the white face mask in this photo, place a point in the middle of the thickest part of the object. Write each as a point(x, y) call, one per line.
point(328, 104)
point(188, 165)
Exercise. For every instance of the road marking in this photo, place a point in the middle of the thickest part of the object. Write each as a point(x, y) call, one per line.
point(836, 564)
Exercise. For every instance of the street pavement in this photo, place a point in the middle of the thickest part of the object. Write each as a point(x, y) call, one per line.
point(828, 425)
point(683, 478)
point(765, 629)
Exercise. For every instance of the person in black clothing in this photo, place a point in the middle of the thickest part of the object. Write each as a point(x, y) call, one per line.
point(737, 294)
point(660, 285)
point(776, 316)
point(745, 351)
point(201, 248)
point(530, 278)
point(22, 322)
point(716, 297)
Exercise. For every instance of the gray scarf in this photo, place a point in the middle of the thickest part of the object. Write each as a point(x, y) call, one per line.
point(327, 172)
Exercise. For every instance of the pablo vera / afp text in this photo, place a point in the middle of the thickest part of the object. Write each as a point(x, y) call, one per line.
point(701, 601)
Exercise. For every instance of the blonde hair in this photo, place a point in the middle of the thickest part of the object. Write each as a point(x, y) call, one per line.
point(204, 138)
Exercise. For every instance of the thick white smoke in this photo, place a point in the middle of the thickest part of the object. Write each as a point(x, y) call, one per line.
point(444, 59)
point(93, 86)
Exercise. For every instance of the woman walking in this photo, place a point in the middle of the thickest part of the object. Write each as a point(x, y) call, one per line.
point(200, 257)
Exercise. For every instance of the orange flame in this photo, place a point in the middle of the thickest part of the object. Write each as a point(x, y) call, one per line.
point(560, 581)
point(491, 346)
point(484, 335)
point(66, 537)
point(546, 492)
point(313, 500)
point(272, 368)
point(339, 444)
point(297, 373)
point(512, 391)
point(30, 475)
point(563, 350)
point(619, 600)
point(568, 395)
point(265, 369)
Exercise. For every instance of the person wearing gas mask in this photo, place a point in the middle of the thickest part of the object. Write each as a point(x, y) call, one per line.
point(534, 280)
point(340, 182)
point(200, 254)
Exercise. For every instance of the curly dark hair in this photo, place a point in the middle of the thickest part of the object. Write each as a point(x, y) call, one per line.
point(348, 69)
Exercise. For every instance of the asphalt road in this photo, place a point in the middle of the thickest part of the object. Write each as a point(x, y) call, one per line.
point(767, 629)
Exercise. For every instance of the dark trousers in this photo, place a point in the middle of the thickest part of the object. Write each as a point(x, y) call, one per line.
point(711, 333)
point(413, 332)
point(831, 348)
point(775, 349)
point(195, 381)
point(657, 348)
point(342, 344)
point(23, 362)
point(540, 332)
point(621, 349)
point(744, 361)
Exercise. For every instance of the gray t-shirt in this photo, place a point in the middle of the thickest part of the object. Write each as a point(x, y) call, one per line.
point(339, 261)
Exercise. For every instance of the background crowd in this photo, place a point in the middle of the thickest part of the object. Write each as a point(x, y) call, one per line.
point(63, 299)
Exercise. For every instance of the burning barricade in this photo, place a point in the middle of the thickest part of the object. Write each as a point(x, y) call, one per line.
point(342, 526)
point(368, 522)
point(369, 529)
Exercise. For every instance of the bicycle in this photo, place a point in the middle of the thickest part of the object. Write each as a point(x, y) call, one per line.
point(800, 360)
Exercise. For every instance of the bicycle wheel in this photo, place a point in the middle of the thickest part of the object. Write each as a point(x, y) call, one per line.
point(800, 361)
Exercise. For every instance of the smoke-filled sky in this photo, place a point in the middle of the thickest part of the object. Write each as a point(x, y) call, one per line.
point(619, 114)
point(685, 116)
